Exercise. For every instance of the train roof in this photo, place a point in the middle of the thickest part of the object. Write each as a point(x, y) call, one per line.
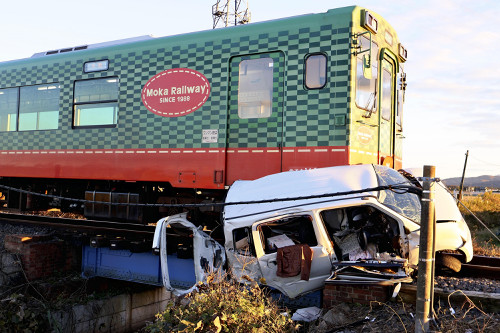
point(342, 15)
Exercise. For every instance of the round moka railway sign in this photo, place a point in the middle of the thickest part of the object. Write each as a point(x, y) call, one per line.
point(175, 92)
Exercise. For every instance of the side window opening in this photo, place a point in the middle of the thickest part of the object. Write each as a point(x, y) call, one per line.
point(96, 103)
point(242, 239)
point(386, 104)
point(9, 100)
point(39, 107)
point(366, 93)
point(362, 232)
point(255, 88)
point(292, 230)
point(315, 73)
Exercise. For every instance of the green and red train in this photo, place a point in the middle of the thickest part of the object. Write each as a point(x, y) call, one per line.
point(173, 118)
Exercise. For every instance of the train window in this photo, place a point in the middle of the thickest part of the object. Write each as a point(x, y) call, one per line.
point(366, 93)
point(401, 98)
point(96, 103)
point(8, 109)
point(39, 107)
point(315, 71)
point(255, 88)
point(386, 93)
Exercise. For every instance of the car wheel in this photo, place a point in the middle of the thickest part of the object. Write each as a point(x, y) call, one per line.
point(447, 262)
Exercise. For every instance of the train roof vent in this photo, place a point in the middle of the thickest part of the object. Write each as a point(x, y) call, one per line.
point(93, 46)
point(65, 50)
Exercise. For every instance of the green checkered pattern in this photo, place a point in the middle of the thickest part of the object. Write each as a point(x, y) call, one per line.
point(310, 113)
point(308, 116)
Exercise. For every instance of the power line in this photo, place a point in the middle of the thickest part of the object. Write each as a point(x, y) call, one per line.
point(482, 161)
point(397, 188)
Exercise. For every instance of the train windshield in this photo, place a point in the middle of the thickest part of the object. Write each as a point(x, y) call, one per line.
point(366, 88)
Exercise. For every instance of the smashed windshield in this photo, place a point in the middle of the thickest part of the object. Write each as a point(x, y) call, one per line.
point(404, 203)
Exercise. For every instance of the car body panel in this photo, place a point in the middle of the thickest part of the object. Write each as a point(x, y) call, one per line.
point(401, 223)
point(208, 255)
point(449, 220)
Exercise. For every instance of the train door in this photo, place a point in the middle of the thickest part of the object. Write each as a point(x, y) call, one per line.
point(398, 140)
point(387, 112)
point(255, 116)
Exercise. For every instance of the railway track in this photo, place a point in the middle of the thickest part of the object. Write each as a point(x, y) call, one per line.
point(90, 226)
point(480, 266)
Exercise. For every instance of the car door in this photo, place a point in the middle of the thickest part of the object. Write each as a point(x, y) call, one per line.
point(292, 230)
point(182, 272)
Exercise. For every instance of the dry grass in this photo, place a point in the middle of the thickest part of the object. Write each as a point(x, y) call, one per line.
point(398, 316)
point(487, 208)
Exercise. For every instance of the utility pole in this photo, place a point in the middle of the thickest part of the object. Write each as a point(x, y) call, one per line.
point(463, 177)
point(425, 283)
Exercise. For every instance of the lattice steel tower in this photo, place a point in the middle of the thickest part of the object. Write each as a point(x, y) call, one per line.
point(230, 12)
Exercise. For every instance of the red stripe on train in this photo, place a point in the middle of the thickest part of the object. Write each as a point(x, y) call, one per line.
point(187, 167)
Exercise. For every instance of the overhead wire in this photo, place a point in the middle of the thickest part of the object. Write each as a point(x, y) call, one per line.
point(397, 188)
point(482, 161)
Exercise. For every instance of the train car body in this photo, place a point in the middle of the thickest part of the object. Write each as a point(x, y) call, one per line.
point(201, 110)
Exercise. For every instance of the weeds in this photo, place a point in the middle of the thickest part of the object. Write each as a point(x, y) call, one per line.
point(223, 306)
point(22, 313)
point(487, 208)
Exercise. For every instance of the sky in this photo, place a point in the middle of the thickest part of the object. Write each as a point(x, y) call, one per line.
point(453, 72)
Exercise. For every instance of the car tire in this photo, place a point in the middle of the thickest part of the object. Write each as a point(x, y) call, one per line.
point(446, 262)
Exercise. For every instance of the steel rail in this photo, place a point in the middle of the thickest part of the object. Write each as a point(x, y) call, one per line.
point(107, 227)
point(479, 266)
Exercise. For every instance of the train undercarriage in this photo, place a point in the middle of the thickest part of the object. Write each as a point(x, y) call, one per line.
point(129, 202)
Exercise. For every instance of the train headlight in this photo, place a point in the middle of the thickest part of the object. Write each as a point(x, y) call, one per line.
point(369, 21)
point(403, 53)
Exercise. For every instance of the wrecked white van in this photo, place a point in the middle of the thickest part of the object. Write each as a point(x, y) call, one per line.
point(338, 221)
point(365, 236)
